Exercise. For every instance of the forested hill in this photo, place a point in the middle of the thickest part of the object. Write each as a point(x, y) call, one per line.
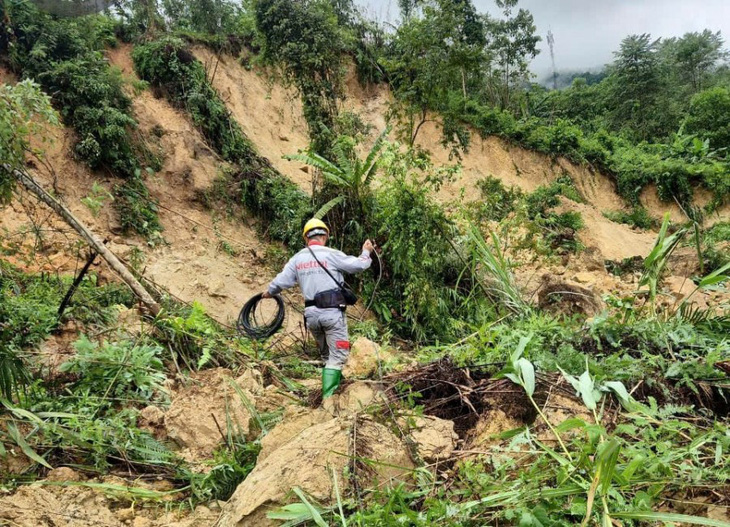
point(542, 339)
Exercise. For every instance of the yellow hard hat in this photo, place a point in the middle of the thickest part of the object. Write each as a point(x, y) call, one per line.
point(313, 224)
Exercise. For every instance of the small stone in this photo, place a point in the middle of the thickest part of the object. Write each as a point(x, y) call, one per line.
point(125, 515)
point(64, 474)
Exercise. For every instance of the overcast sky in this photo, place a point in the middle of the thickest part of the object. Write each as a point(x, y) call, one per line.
point(588, 31)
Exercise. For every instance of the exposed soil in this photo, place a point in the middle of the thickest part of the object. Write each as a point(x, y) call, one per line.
point(270, 114)
point(40, 505)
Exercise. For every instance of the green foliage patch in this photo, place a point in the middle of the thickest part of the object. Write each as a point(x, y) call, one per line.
point(64, 56)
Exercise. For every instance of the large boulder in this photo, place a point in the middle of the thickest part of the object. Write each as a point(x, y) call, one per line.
point(308, 461)
point(435, 438)
point(363, 359)
point(197, 417)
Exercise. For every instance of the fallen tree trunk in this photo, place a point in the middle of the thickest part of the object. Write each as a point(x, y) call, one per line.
point(92, 239)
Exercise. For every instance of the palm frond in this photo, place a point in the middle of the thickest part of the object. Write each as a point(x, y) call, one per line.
point(13, 373)
point(317, 161)
point(331, 204)
point(370, 166)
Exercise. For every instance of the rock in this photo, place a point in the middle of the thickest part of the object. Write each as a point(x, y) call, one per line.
point(363, 359)
point(64, 474)
point(199, 409)
point(565, 298)
point(125, 515)
point(358, 396)
point(218, 288)
point(294, 421)
point(435, 438)
point(308, 461)
point(593, 260)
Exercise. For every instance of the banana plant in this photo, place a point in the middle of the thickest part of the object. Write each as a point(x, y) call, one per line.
point(655, 263)
point(353, 176)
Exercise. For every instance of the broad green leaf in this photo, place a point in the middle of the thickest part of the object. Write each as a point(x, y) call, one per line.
point(619, 389)
point(527, 374)
point(24, 446)
point(716, 276)
point(316, 516)
point(587, 392)
point(570, 424)
point(607, 458)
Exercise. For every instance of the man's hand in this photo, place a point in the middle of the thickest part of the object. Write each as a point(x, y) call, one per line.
point(368, 246)
point(266, 295)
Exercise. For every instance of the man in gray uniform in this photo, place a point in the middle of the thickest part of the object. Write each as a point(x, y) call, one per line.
point(318, 270)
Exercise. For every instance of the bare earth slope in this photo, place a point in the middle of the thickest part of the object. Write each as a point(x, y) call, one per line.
point(273, 120)
point(202, 255)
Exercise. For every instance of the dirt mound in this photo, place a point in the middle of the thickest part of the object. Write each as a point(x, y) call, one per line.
point(308, 461)
point(365, 358)
point(38, 505)
point(565, 298)
point(434, 438)
point(197, 417)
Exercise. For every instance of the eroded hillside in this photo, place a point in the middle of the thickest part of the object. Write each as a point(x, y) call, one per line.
point(404, 417)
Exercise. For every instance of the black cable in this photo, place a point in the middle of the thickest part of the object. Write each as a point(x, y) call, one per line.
point(247, 318)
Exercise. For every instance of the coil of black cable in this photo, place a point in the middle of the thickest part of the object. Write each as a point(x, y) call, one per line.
point(247, 321)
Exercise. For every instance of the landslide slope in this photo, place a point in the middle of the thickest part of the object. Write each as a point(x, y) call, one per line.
point(271, 115)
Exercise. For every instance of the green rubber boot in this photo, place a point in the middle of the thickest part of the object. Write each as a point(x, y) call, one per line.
point(330, 381)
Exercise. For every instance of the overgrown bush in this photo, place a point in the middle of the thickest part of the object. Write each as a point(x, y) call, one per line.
point(497, 201)
point(64, 56)
point(117, 370)
point(633, 166)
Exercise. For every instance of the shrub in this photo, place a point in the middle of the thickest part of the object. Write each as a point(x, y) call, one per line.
point(64, 57)
point(426, 285)
point(117, 370)
point(497, 201)
point(639, 217)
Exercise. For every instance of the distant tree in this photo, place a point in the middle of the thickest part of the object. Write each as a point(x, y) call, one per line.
point(709, 117)
point(436, 52)
point(511, 44)
point(636, 80)
point(695, 56)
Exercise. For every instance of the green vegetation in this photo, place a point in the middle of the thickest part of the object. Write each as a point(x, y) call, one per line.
point(23, 110)
point(638, 217)
point(64, 57)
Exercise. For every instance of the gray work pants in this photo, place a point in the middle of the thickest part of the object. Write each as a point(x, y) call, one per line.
point(329, 327)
